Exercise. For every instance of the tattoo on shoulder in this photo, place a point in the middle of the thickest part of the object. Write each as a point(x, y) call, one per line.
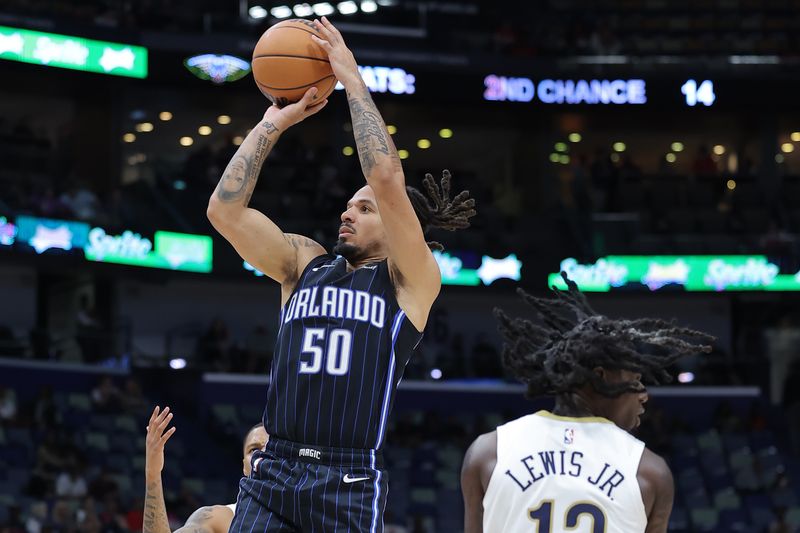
point(298, 241)
point(269, 126)
point(199, 521)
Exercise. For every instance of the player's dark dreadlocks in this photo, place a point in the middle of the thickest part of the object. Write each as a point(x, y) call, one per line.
point(558, 354)
point(437, 210)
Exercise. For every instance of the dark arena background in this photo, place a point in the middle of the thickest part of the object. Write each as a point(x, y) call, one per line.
point(650, 149)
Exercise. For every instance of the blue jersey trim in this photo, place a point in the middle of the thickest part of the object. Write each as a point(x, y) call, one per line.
point(398, 321)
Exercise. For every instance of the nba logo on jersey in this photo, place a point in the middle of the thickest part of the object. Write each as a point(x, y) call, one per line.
point(569, 436)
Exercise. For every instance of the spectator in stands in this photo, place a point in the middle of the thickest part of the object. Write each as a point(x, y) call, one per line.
point(258, 350)
point(393, 525)
point(44, 409)
point(70, 483)
point(604, 42)
point(186, 502)
point(111, 518)
point(791, 403)
point(485, 358)
point(106, 397)
point(103, 484)
point(120, 213)
point(779, 523)
point(14, 523)
point(780, 246)
point(37, 517)
point(50, 205)
point(50, 456)
point(604, 176)
point(8, 405)
point(81, 201)
point(63, 518)
point(213, 348)
point(135, 516)
point(703, 164)
point(133, 400)
point(89, 330)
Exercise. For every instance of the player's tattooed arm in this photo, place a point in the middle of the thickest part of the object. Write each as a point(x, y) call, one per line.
point(155, 510)
point(376, 150)
point(298, 241)
point(207, 520)
point(256, 238)
point(240, 177)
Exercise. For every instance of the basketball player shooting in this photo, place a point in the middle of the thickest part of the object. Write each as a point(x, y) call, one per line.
point(349, 320)
point(208, 519)
point(577, 466)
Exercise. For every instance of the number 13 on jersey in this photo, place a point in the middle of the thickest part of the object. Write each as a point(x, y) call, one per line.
point(543, 517)
point(337, 353)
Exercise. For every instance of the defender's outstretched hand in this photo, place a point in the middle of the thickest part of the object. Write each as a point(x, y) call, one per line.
point(342, 61)
point(156, 439)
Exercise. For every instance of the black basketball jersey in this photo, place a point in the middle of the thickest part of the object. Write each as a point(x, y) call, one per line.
point(342, 347)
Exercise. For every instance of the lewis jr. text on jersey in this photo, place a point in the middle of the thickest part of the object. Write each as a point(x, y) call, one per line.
point(536, 466)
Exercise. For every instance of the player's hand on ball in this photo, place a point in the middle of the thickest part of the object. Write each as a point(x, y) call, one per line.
point(342, 61)
point(289, 115)
point(157, 437)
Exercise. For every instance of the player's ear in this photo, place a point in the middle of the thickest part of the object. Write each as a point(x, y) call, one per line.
point(600, 372)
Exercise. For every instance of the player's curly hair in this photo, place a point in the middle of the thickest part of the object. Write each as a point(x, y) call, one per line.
point(558, 353)
point(437, 209)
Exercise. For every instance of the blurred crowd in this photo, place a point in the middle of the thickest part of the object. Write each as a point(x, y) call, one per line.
point(59, 485)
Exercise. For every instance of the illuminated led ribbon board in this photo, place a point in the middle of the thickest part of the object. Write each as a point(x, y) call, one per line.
point(451, 265)
point(694, 273)
point(77, 53)
point(167, 250)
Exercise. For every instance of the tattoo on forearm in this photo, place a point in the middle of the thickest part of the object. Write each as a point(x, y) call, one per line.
point(375, 147)
point(269, 126)
point(155, 511)
point(239, 179)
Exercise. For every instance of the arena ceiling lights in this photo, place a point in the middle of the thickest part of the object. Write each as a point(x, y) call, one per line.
point(319, 9)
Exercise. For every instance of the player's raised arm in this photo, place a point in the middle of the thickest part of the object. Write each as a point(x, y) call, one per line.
point(257, 239)
point(211, 519)
point(409, 254)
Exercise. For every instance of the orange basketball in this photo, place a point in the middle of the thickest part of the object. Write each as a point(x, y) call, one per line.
point(287, 62)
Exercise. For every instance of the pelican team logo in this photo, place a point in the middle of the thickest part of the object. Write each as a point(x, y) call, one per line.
point(569, 436)
point(217, 68)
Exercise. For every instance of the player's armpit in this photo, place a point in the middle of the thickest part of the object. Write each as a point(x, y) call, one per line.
point(479, 463)
point(210, 519)
point(658, 491)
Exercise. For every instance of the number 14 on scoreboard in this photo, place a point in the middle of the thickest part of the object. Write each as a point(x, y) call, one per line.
point(704, 93)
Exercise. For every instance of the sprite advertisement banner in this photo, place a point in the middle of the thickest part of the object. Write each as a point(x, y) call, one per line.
point(710, 273)
point(174, 251)
point(64, 51)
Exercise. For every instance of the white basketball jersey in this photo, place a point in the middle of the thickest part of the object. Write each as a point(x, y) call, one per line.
point(557, 474)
